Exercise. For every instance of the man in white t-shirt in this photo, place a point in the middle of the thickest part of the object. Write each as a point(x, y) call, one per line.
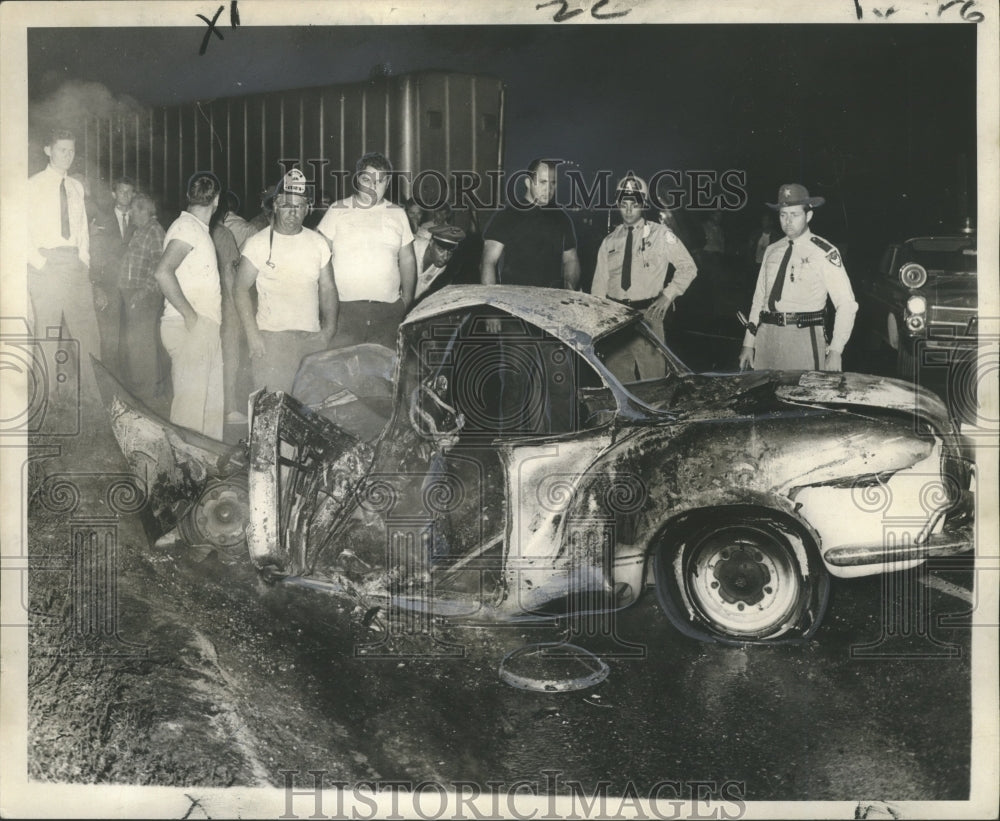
point(188, 275)
point(296, 295)
point(373, 261)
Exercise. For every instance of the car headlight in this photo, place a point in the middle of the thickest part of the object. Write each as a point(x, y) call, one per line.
point(916, 305)
point(913, 275)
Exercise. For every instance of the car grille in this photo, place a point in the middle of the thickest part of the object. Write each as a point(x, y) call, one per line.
point(953, 322)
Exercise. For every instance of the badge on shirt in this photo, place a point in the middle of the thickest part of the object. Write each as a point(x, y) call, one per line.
point(834, 258)
point(671, 239)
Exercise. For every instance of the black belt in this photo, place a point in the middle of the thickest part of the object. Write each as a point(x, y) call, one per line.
point(801, 319)
point(638, 304)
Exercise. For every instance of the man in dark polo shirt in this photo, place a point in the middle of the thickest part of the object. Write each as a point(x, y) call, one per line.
point(528, 244)
point(532, 243)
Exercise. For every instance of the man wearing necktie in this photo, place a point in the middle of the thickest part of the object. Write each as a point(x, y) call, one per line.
point(797, 274)
point(59, 287)
point(110, 233)
point(633, 267)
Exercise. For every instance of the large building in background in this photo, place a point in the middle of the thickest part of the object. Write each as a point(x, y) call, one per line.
point(434, 122)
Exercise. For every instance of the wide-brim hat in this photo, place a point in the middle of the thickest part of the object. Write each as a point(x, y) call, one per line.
point(794, 194)
point(447, 235)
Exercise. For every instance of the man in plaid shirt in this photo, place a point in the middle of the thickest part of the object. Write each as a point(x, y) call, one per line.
point(143, 301)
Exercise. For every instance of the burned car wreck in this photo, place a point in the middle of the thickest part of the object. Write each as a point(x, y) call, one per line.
point(504, 466)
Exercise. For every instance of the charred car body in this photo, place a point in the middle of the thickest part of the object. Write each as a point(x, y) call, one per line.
point(501, 467)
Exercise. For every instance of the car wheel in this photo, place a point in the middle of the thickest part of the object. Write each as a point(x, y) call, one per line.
point(742, 581)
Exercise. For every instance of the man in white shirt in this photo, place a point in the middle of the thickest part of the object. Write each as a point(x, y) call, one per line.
point(296, 295)
point(373, 261)
point(59, 285)
point(188, 275)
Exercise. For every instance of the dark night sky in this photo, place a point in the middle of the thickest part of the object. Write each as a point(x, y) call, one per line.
point(880, 119)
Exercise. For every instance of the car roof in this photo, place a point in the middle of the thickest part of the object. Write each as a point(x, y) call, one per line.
point(571, 316)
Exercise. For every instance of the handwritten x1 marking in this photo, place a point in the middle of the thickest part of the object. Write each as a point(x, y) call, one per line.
point(211, 29)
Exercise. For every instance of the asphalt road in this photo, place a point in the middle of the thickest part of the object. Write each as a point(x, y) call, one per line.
point(876, 705)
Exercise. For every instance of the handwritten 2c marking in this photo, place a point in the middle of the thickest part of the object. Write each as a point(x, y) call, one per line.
point(565, 13)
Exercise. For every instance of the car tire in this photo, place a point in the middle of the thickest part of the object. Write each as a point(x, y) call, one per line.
point(745, 580)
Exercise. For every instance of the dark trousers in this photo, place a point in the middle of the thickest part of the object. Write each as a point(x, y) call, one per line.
point(283, 351)
point(109, 303)
point(139, 352)
point(62, 304)
point(364, 321)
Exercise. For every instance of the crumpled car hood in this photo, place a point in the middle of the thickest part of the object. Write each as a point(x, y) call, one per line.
point(763, 391)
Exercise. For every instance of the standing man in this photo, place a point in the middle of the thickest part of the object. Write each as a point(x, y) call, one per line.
point(109, 237)
point(533, 244)
point(227, 257)
point(434, 252)
point(760, 240)
point(241, 230)
point(59, 285)
point(796, 276)
point(373, 261)
point(142, 301)
point(297, 297)
point(188, 276)
point(633, 267)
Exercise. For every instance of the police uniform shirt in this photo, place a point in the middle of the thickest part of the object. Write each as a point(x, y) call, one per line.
point(654, 248)
point(814, 271)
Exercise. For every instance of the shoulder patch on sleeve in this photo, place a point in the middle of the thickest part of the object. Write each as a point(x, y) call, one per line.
point(832, 254)
point(825, 246)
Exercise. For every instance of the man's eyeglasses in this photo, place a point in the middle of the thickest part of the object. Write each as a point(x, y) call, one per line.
point(372, 178)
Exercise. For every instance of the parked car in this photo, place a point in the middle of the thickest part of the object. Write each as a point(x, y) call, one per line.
point(922, 302)
point(518, 471)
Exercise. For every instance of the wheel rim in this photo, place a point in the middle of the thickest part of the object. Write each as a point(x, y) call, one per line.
point(220, 516)
point(744, 581)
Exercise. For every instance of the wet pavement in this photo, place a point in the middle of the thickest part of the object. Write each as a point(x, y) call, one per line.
point(877, 705)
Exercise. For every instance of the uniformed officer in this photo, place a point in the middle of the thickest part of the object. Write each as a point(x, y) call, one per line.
point(633, 266)
point(798, 272)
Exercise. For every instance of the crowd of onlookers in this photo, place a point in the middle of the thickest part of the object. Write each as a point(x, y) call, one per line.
point(194, 316)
